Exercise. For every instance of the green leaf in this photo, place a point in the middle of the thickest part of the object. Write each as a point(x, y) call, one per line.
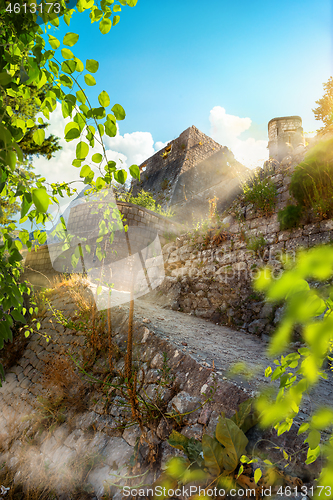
point(105, 26)
point(118, 112)
point(40, 199)
point(70, 39)
point(322, 418)
point(313, 439)
point(110, 167)
point(312, 456)
point(68, 67)
point(5, 78)
point(92, 65)
point(257, 475)
point(54, 42)
point(76, 163)
point(85, 171)
point(303, 428)
point(178, 440)
point(67, 54)
point(72, 131)
point(90, 80)
point(115, 20)
point(39, 136)
point(234, 441)
point(26, 204)
point(18, 316)
point(244, 418)
point(99, 290)
point(79, 65)
point(66, 81)
point(97, 158)
point(10, 159)
point(82, 149)
point(120, 176)
point(135, 171)
point(81, 96)
point(110, 128)
point(213, 454)
point(104, 99)
point(66, 108)
point(100, 129)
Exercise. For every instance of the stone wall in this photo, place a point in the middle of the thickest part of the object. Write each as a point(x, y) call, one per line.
point(38, 266)
point(99, 425)
point(215, 281)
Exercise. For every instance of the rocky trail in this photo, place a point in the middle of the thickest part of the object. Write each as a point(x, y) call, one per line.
point(87, 448)
point(220, 346)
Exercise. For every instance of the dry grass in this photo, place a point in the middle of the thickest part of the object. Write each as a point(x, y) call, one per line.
point(66, 395)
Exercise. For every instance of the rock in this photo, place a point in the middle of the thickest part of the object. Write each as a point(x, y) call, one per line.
point(279, 314)
point(157, 361)
point(118, 453)
point(131, 434)
point(266, 311)
point(164, 428)
point(205, 415)
point(185, 403)
point(257, 326)
point(175, 305)
point(193, 431)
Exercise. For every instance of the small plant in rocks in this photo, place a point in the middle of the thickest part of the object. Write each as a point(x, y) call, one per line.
point(261, 193)
point(218, 462)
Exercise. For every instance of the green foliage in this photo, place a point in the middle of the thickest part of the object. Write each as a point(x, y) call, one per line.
point(261, 192)
point(312, 181)
point(256, 244)
point(290, 216)
point(299, 372)
point(33, 79)
point(324, 111)
point(215, 456)
point(144, 199)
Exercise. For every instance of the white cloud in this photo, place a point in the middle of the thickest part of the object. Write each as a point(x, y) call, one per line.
point(160, 145)
point(125, 150)
point(226, 129)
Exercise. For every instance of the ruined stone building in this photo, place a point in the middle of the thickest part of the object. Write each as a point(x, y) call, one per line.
point(285, 134)
point(190, 171)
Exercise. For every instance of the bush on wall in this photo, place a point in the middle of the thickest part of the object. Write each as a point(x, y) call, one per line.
point(290, 216)
point(312, 181)
point(261, 193)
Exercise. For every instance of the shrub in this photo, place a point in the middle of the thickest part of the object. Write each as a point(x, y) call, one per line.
point(261, 193)
point(256, 243)
point(290, 216)
point(312, 181)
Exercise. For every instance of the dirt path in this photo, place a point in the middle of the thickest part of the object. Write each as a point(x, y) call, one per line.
point(208, 343)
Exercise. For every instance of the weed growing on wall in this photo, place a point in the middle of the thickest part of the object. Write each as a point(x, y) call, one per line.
point(312, 181)
point(290, 216)
point(256, 244)
point(261, 193)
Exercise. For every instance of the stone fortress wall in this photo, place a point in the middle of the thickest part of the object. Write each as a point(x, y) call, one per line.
point(38, 266)
point(215, 281)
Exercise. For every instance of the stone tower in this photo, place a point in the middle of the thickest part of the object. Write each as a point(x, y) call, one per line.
point(284, 135)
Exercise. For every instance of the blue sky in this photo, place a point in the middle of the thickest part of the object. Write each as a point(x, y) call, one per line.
point(225, 67)
point(170, 62)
